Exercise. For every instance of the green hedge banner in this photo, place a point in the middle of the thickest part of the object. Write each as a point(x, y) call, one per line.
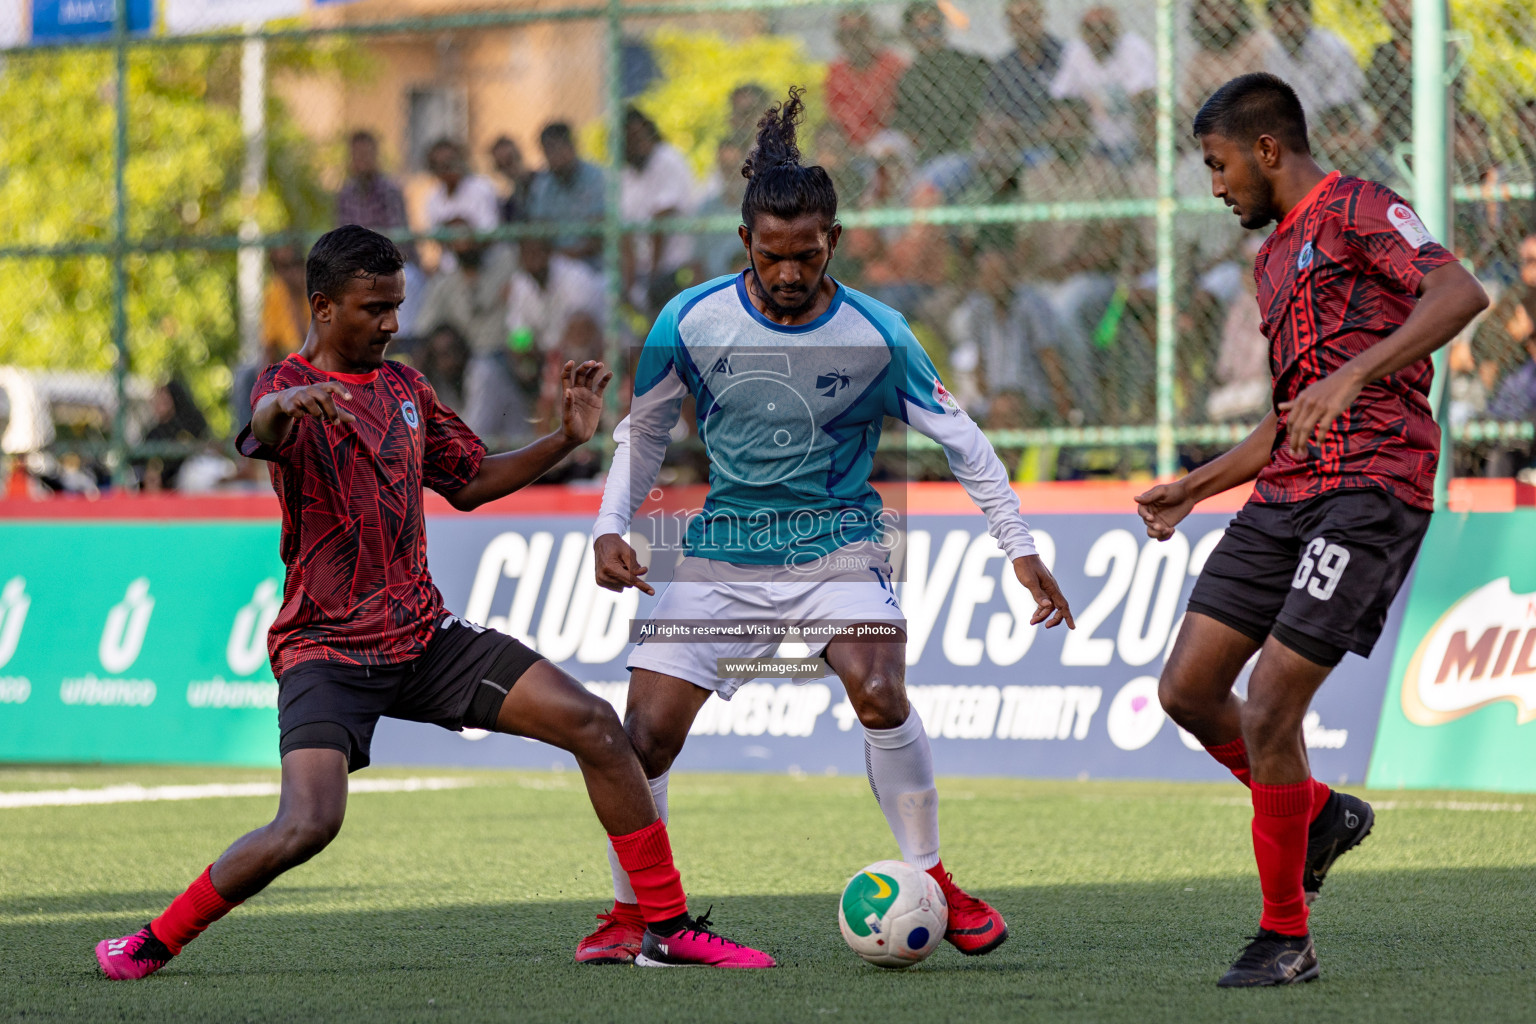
point(108, 634)
point(1461, 708)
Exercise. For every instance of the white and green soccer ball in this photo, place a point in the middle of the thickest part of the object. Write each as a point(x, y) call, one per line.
point(892, 914)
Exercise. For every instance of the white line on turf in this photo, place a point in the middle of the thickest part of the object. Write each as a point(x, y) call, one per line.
point(1406, 805)
point(134, 794)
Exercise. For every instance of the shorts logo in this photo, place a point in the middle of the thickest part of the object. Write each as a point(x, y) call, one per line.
point(1304, 259)
point(408, 410)
point(1321, 566)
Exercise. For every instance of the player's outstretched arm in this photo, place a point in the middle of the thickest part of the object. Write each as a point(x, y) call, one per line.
point(1050, 603)
point(275, 413)
point(1449, 297)
point(581, 411)
point(1163, 507)
point(618, 566)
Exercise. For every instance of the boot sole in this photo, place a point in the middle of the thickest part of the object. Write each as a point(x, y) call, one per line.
point(989, 947)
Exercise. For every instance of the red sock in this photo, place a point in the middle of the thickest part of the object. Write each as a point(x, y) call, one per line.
point(1234, 758)
point(191, 912)
point(1280, 818)
point(1320, 795)
point(646, 856)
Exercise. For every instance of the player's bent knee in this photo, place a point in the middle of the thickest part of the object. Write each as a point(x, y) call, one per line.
point(880, 701)
point(597, 734)
point(656, 747)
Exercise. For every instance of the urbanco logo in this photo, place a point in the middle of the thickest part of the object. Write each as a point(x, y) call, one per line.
point(247, 647)
point(14, 603)
point(1482, 650)
point(127, 622)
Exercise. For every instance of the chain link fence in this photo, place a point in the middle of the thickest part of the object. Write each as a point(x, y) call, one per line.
point(1016, 176)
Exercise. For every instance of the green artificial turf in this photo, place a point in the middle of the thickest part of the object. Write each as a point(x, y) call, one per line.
point(1126, 902)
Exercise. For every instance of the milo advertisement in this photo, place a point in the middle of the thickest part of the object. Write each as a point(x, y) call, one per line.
point(1460, 711)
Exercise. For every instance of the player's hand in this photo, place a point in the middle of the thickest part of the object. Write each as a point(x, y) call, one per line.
point(581, 407)
point(617, 565)
point(1049, 601)
point(1164, 507)
point(1313, 411)
point(316, 400)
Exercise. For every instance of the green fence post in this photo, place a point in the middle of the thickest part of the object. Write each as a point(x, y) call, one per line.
point(1167, 454)
point(612, 277)
point(122, 472)
point(1431, 183)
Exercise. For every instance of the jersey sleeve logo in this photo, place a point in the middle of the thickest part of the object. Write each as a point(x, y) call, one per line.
point(1407, 224)
point(1304, 258)
point(408, 410)
point(945, 400)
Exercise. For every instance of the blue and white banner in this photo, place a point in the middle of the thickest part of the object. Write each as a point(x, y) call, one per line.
point(54, 20)
point(998, 696)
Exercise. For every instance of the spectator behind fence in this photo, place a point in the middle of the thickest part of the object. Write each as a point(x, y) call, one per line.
point(372, 200)
point(1318, 64)
point(1227, 44)
point(1389, 78)
point(555, 304)
point(902, 266)
point(284, 323)
point(472, 298)
point(507, 157)
point(749, 102)
point(458, 195)
point(369, 198)
point(1115, 73)
point(940, 94)
point(655, 182)
point(1499, 343)
point(568, 190)
point(1020, 86)
point(1082, 266)
point(1244, 388)
point(444, 360)
point(862, 79)
point(721, 252)
point(1006, 333)
point(178, 420)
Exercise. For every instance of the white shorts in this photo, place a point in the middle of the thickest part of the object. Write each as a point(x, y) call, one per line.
point(855, 588)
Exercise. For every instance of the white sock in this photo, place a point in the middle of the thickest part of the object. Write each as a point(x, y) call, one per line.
point(900, 766)
point(623, 892)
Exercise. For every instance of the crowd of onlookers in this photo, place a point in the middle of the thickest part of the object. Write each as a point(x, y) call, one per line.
point(1033, 322)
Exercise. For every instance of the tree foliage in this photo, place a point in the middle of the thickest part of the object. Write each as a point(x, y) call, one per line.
point(182, 178)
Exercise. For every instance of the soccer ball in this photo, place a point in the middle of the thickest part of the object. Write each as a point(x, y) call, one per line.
point(892, 914)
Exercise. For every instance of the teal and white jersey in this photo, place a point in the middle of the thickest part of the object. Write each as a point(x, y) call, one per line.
point(791, 418)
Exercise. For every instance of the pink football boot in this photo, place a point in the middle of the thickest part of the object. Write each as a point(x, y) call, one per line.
point(133, 956)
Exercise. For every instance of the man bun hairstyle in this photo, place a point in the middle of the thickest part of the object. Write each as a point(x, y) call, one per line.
point(1252, 105)
point(777, 184)
point(349, 251)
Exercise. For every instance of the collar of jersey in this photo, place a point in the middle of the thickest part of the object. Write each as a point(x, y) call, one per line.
point(746, 304)
point(346, 378)
point(1308, 199)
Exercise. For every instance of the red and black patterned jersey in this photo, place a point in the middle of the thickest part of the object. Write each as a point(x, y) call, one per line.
point(1340, 273)
point(354, 538)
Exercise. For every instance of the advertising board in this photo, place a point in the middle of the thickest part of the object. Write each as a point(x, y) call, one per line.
point(1460, 709)
point(132, 641)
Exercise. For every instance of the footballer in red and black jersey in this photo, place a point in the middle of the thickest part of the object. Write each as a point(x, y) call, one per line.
point(354, 538)
point(1339, 274)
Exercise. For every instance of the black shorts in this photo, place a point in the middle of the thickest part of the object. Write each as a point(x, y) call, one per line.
point(458, 682)
point(1319, 574)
